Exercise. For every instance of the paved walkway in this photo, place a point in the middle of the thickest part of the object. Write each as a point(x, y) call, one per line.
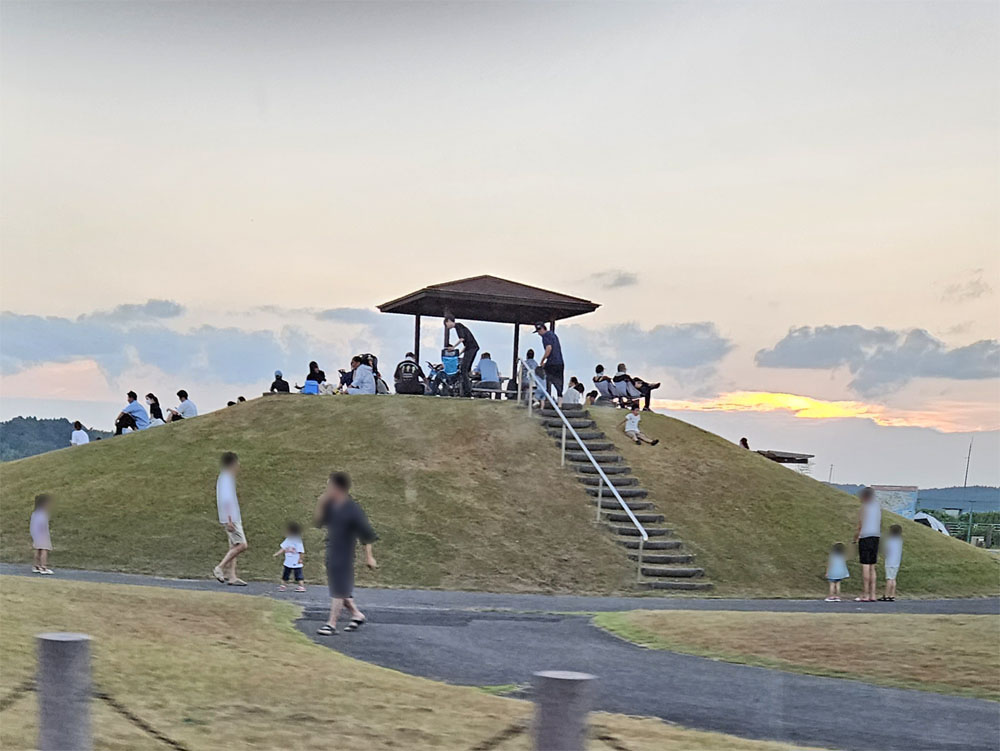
point(485, 639)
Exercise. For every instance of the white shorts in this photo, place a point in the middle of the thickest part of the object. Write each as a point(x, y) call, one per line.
point(236, 536)
point(891, 571)
point(633, 434)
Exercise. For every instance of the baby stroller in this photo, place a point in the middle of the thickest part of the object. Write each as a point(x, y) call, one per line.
point(450, 382)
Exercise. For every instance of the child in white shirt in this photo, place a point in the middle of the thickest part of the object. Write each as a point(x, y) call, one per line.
point(39, 528)
point(893, 557)
point(294, 552)
point(631, 423)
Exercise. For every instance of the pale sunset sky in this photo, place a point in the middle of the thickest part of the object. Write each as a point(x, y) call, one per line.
point(787, 210)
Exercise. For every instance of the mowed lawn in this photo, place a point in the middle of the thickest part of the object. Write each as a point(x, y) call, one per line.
point(762, 530)
point(952, 654)
point(215, 671)
point(464, 495)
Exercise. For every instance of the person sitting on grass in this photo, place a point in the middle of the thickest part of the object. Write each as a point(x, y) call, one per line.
point(155, 412)
point(294, 552)
point(409, 377)
point(644, 388)
point(592, 397)
point(631, 423)
point(836, 570)
point(893, 557)
point(79, 436)
point(362, 380)
point(185, 410)
point(279, 385)
point(573, 395)
point(132, 417)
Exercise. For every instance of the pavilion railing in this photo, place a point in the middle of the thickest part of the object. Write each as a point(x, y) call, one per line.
point(567, 428)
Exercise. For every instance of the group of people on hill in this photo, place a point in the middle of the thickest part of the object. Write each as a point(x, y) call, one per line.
point(346, 525)
point(362, 378)
point(867, 537)
point(135, 417)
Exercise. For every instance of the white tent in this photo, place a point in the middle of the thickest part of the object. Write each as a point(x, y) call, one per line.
point(929, 521)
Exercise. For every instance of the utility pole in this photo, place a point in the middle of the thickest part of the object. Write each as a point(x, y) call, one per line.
point(965, 486)
point(830, 478)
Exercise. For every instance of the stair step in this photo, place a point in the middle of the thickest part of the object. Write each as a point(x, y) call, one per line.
point(630, 530)
point(596, 480)
point(612, 504)
point(667, 558)
point(624, 492)
point(576, 422)
point(602, 459)
point(592, 445)
point(622, 517)
point(633, 544)
point(675, 572)
point(585, 435)
point(611, 469)
point(688, 585)
point(570, 410)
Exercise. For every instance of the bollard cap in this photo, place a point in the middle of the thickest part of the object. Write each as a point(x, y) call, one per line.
point(63, 636)
point(564, 675)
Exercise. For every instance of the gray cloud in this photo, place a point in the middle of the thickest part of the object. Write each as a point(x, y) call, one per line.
point(615, 279)
point(133, 313)
point(881, 360)
point(971, 289)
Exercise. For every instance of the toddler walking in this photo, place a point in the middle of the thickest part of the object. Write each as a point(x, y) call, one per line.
point(836, 570)
point(893, 557)
point(39, 527)
point(294, 552)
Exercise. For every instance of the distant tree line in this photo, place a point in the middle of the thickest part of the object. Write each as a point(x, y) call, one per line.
point(27, 436)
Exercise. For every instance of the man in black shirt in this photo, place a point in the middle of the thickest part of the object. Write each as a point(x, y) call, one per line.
point(280, 385)
point(471, 349)
point(409, 376)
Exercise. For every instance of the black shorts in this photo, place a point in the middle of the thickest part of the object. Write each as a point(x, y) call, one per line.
point(289, 571)
point(868, 550)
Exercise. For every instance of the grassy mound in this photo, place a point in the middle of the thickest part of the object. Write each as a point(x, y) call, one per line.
point(218, 672)
point(949, 654)
point(761, 529)
point(464, 495)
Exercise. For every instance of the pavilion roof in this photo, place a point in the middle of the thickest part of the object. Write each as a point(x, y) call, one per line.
point(490, 298)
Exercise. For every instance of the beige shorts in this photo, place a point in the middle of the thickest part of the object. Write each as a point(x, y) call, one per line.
point(633, 434)
point(236, 536)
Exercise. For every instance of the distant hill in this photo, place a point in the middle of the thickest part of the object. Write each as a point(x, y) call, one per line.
point(983, 497)
point(28, 436)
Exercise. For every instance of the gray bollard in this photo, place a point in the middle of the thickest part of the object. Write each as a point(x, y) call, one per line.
point(64, 692)
point(562, 701)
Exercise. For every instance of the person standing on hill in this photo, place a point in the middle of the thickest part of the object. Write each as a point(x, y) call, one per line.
point(867, 537)
point(552, 359)
point(346, 524)
point(229, 517)
point(470, 350)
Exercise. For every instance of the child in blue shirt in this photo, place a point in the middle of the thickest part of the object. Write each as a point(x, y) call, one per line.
point(836, 570)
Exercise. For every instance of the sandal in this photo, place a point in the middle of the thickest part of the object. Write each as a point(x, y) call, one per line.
point(326, 630)
point(883, 598)
point(237, 583)
point(355, 624)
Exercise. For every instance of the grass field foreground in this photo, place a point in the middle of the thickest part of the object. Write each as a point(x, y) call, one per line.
point(763, 530)
point(953, 654)
point(232, 672)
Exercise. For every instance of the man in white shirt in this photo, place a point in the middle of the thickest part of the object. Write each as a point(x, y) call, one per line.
point(186, 409)
point(229, 517)
point(79, 435)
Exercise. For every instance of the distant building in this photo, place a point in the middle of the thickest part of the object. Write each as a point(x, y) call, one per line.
point(900, 499)
point(798, 462)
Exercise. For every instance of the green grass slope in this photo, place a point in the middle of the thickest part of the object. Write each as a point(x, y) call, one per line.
point(761, 529)
point(464, 495)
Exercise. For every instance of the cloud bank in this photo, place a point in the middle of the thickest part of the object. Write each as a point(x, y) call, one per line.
point(881, 360)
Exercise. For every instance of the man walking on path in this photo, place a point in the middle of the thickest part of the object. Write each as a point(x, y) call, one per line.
point(470, 350)
point(346, 524)
point(229, 517)
point(552, 359)
point(867, 537)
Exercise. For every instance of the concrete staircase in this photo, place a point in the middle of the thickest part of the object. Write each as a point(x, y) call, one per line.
point(665, 563)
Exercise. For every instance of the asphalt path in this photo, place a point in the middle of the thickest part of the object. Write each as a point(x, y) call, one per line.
point(484, 639)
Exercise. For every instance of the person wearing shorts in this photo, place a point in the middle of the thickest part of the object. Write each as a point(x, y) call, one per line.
point(631, 423)
point(346, 525)
point(893, 557)
point(867, 537)
point(229, 517)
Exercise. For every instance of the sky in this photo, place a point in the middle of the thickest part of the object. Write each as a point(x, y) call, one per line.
point(787, 210)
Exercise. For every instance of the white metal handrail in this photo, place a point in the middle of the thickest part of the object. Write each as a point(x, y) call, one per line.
point(603, 478)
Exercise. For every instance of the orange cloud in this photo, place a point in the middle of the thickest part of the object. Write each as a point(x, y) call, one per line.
point(952, 417)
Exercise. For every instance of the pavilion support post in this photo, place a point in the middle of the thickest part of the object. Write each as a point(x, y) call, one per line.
point(517, 353)
point(416, 338)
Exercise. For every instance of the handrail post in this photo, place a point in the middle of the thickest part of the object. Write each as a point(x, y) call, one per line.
point(64, 692)
point(638, 571)
point(600, 497)
point(562, 463)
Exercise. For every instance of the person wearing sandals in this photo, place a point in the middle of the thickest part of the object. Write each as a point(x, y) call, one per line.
point(346, 524)
point(867, 537)
point(39, 528)
point(836, 571)
point(893, 557)
point(230, 519)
